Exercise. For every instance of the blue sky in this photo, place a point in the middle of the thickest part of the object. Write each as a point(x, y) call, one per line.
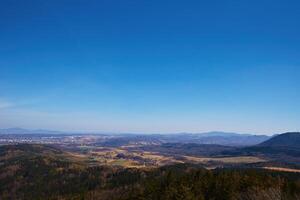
point(150, 66)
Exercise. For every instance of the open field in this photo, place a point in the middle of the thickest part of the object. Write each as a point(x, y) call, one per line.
point(237, 159)
point(283, 169)
point(132, 157)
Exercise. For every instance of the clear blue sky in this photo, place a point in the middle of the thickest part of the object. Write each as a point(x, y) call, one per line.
point(150, 66)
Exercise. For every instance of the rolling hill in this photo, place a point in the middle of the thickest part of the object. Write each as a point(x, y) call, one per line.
point(286, 143)
point(283, 148)
point(290, 140)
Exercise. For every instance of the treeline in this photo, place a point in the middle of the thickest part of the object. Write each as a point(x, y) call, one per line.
point(231, 184)
point(44, 178)
point(176, 182)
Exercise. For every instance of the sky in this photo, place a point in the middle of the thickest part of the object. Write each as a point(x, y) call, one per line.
point(150, 66)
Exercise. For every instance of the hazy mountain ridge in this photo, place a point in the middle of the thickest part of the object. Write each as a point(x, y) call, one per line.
point(29, 131)
point(117, 139)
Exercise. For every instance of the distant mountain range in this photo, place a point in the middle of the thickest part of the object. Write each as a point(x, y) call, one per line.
point(220, 138)
point(215, 137)
point(27, 131)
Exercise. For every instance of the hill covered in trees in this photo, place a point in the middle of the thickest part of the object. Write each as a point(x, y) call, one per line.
point(290, 140)
point(283, 148)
